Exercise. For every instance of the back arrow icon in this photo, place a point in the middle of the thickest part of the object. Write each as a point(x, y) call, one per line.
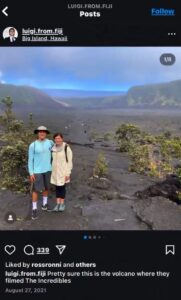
point(4, 11)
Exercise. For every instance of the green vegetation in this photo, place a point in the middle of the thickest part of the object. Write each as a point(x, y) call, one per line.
point(14, 140)
point(94, 134)
point(139, 156)
point(101, 166)
point(20, 94)
point(155, 95)
point(108, 136)
point(27, 98)
point(152, 155)
point(126, 135)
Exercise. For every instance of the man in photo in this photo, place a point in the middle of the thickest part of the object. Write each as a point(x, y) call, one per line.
point(12, 33)
point(39, 165)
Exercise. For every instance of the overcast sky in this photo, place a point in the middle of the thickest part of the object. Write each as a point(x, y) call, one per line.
point(87, 68)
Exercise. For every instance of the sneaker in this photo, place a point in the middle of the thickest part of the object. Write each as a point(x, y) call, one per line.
point(56, 208)
point(62, 207)
point(45, 207)
point(34, 214)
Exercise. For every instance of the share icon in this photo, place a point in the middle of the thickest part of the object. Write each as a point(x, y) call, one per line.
point(60, 248)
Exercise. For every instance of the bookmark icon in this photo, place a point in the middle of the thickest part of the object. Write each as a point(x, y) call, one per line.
point(170, 249)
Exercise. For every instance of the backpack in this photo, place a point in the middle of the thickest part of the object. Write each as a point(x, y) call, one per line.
point(66, 156)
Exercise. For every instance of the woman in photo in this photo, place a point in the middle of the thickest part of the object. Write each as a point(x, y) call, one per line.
point(61, 170)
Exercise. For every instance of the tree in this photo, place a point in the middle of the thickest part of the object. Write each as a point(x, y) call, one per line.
point(8, 116)
point(101, 166)
point(13, 154)
point(126, 135)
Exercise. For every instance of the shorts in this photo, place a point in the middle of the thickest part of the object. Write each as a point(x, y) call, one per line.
point(42, 182)
point(60, 191)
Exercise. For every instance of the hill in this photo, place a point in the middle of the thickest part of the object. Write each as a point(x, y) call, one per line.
point(87, 99)
point(152, 96)
point(94, 102)
point(28, 98)
point(163, 95)
point(62, 93)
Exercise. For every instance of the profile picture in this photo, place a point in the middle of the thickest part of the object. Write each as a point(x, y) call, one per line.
point(11, 34)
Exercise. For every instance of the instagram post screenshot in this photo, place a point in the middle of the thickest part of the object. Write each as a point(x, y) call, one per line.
point(90, 149)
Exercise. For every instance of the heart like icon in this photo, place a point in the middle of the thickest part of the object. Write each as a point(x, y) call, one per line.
point(10, 249)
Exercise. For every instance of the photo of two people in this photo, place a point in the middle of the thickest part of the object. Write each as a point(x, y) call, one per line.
point(90, 138)
point(49, 162)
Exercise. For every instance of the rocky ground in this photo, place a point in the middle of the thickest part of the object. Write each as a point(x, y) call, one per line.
point(93, 204)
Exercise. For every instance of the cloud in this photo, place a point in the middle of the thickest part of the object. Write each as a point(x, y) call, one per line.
point(87, 67)
point(1, 80)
